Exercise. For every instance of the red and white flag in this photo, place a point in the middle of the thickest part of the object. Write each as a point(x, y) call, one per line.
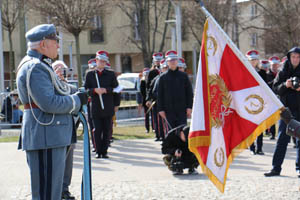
point(232, 105)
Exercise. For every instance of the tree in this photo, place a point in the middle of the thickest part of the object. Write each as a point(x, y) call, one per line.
point(74, 16)
point(11, 11)
point(281, 24)
point(195, 19)
point(147, 20)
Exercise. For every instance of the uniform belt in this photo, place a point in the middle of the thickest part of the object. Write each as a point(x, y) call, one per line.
point(28, 106)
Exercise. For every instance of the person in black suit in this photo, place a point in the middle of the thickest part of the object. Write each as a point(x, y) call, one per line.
point(144, 95)
point(100, 84)
point(253, 57)
point(271, 74)
point(174, 94)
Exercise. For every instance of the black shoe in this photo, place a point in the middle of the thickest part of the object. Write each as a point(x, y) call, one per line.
point(260, 153)
point(272, 138)
point(67, 196)
point(272, 173)
point(253, 152)
point(93, 150)
point(192, 171)
point(156, 140)
point(177, 172)
point(147, 131)
point(105, 156)
point(98, 155)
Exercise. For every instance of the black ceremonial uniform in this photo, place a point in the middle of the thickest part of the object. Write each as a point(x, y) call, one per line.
point(152, 74)
point(152, 96)
point(102, 119)
point(175, 95)
point(172, 143)
point(270, 79)
point(259, 139)
point(144, 95)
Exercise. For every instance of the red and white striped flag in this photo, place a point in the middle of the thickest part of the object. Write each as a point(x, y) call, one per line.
point(232, 104)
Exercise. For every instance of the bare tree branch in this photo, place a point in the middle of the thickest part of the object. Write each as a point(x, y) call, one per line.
point(74, 16)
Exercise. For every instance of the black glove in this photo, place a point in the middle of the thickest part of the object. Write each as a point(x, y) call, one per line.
point(83, 97)
point(286, 115)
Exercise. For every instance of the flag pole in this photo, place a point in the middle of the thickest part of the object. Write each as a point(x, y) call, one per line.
point(241, 56)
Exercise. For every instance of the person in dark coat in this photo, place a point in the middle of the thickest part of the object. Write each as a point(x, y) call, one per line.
point(92, 66)
point(100, 84)
point(144, 95)
point(178, 156)
point(271, 74)
point(6, 109)
point(288, 90)
point(161, 126)
point(175, 94)
point(154, 71)
point(253, 57)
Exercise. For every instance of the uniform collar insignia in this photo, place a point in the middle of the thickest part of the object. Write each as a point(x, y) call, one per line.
point(47, 60)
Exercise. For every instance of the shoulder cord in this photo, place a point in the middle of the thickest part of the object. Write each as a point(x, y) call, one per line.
point(60, 86)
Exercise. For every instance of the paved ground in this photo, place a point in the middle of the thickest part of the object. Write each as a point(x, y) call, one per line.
point(135, 171)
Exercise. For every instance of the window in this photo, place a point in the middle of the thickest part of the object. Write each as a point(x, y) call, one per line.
point(97, 34)
point(136, 31)
point(126, 64)
point(97, 22)
point(253, 10)
point(253, 40)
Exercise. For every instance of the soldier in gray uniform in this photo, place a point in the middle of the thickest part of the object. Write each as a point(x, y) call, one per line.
point(48, 108)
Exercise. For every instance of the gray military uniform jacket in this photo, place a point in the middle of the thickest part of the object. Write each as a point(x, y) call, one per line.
point(51, 106)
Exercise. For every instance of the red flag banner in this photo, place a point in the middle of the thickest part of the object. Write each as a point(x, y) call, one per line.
point(232, 105)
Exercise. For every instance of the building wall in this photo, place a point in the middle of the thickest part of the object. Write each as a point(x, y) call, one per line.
point(116, 32)
point(248, 19)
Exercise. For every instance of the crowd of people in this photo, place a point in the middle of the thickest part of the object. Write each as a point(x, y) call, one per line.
point(282, 76)
point(48, 133)
point(10, 111)
point(167, 96)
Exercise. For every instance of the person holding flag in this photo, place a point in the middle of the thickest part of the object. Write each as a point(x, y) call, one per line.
point(286, 85)
point(178, 157)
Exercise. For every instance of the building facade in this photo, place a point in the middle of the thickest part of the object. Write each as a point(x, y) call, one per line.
point(111, 33)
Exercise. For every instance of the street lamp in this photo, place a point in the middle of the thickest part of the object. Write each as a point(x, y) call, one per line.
point(71, 58)
point(60, 55)
point(177, 8)
point(176, 33)
point(173, 33)
point(1, 54)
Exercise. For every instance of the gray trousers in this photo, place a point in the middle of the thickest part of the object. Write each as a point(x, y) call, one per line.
point(68, 168)
point(46, 171)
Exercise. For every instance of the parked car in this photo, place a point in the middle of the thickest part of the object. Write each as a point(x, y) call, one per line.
point(130, 85)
